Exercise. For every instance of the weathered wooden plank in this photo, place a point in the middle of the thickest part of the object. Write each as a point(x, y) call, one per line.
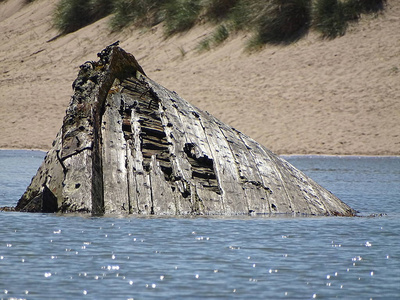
point(164, 199)
point(306, 188)
point(176, 136)
point(296, 196)
point(173, 128)
point(198, 148)
point(256, 193)
point(76, 183)
point(132, 188)
point(278, 199)
point(234, 197)
point(115, 182)
point(143, 186)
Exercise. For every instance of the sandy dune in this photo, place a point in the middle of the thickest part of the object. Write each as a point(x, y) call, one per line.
point(312, 97)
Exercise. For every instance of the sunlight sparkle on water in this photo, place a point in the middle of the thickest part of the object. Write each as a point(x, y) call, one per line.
point(177, 258)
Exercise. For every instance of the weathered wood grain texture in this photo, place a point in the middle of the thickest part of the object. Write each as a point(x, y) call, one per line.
point(130, 146)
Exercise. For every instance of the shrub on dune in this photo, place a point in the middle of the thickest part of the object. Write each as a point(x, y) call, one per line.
point(140, 12)
point(282, 21)
point(329, 18)
point(100, 8)
point(367, 6)
point(71, 15)
point(218, 10)
point(180, 15)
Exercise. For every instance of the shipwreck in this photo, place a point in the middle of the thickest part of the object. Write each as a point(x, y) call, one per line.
point(130, 146)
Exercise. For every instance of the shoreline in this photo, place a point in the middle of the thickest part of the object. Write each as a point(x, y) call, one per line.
point(338, 155)
point(280, 155)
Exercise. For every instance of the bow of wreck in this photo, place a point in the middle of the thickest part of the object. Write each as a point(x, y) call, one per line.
point(130, 146)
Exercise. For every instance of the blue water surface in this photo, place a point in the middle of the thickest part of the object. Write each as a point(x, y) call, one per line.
point(50, 256)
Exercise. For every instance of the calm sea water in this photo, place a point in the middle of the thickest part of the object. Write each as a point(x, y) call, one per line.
point(47, 256)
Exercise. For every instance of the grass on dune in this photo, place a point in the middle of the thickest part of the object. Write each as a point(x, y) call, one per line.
point(267, 21)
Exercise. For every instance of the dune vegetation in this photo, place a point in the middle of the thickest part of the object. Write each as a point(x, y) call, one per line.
point(272, 21)
point(268, 21)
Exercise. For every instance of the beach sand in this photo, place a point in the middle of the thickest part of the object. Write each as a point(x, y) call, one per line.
point(335, 97)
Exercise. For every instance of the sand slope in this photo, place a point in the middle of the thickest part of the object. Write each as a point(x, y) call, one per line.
point(312, 97)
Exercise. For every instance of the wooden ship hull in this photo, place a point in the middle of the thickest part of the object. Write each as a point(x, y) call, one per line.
point(130, 146)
